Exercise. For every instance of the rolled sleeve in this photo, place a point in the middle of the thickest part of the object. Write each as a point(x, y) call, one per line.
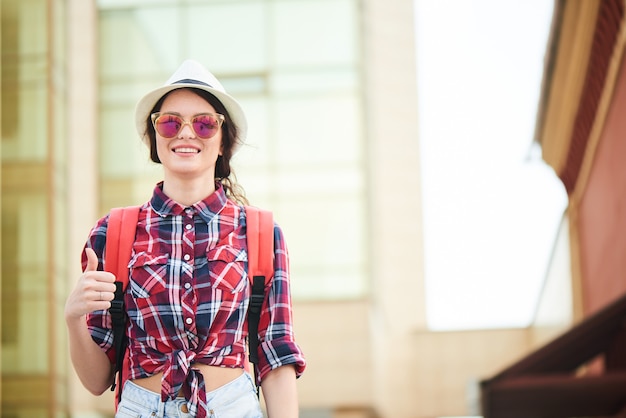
point(277, 341)
point(99, 325)
point(280, 352)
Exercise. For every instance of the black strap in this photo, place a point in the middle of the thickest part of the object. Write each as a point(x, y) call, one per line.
point(254, 315)
point(118, 322)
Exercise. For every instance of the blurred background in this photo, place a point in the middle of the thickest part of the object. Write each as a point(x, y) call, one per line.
point(454, 215)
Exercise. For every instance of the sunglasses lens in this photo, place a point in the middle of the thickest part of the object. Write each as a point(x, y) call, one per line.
point(205, 126)
point(168, 125)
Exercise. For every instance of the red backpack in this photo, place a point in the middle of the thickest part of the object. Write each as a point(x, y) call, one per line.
point(119, 243)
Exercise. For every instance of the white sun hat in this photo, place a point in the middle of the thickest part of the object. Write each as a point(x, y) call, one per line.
point(191, 74)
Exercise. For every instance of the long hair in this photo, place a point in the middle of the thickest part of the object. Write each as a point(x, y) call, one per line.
point(223, 171)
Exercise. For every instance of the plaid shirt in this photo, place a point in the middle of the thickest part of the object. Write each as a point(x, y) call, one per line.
point(187, 299)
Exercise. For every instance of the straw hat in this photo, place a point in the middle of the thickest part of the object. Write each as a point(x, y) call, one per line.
point(192, 74)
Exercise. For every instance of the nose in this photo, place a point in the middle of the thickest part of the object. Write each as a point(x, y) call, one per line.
point(186, 131)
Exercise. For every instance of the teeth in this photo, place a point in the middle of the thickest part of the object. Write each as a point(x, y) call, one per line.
point(193, 150)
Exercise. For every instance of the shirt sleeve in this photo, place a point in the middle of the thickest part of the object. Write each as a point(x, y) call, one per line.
point(99, 322)
point(277, 345)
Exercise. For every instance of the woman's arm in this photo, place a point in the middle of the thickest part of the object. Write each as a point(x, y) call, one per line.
point(278, 346)
point(92, 365)
point(280, 392)
point(94, 291)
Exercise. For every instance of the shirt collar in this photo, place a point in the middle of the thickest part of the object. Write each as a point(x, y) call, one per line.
point(206, 208)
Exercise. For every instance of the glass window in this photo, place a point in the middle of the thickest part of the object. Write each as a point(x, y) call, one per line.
point(33, 170)
point(327, 251)
point(312, 129)
point(153, 44)
point(314, 33)
point(24, 95)
point(299, 86)
point(228, 37)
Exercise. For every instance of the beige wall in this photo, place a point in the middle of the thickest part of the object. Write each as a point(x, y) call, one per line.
point(447, 366)
point(397, 287)
point(335, 339)
point(430, 374)
point(82, 156)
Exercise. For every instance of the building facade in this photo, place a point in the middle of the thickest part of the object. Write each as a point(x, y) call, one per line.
point(581, 129)
point(329, 87)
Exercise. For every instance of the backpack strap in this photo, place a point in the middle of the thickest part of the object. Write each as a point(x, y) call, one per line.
point(260, 242)
point(121, 231)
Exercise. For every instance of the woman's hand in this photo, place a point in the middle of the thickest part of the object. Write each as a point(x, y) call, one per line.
point(94, 290)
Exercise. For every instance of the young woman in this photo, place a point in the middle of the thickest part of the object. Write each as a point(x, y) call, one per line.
point(188, 293)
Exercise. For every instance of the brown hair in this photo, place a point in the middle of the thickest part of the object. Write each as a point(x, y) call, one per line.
point(223, 171)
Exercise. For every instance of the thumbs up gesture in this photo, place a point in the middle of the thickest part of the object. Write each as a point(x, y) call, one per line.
point(94, 290)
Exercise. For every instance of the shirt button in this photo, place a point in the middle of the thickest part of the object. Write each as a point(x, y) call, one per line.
point(187, 285)
point(188, 321)
point(187, 257)
point(188, 226)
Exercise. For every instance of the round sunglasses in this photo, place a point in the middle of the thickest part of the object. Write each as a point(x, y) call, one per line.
point(204, 125)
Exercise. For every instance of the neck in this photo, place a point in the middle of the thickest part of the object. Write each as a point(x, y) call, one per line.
point(186, 192)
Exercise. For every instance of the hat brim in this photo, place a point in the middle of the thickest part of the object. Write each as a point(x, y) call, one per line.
point(234, 109)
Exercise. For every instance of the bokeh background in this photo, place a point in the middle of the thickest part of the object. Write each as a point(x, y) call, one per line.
point(446, 172)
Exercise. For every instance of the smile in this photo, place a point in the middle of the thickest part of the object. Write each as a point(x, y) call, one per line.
point(186, 150)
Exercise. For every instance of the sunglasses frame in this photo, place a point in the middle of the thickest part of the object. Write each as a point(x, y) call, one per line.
point(218, 116)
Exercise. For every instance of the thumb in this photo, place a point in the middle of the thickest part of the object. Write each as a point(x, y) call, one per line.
point(92, 260)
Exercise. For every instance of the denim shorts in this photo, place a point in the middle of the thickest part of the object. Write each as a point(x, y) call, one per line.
point(236, 399)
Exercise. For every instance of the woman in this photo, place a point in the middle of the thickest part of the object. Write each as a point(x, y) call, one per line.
point(188, 292)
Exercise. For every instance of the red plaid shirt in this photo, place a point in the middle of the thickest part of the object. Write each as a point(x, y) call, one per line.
point(187, 299)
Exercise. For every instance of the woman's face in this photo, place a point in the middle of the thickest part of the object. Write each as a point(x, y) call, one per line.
point(186, 155)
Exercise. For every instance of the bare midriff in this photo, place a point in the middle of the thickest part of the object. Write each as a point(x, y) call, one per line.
point(214, 378)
